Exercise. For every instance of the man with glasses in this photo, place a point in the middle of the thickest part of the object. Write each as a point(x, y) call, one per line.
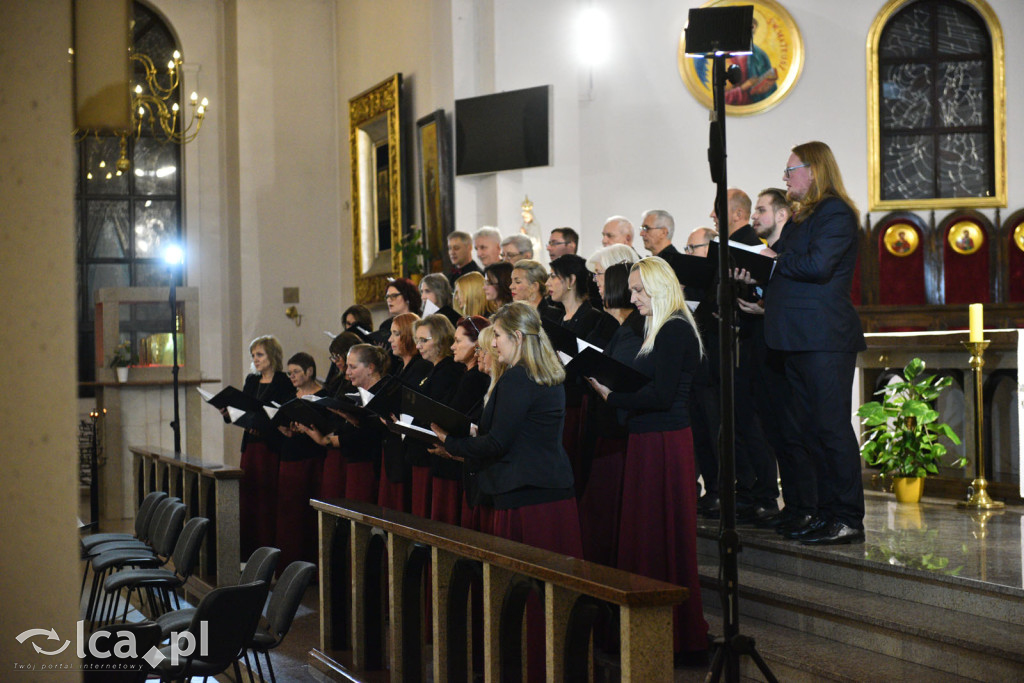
point(697, 242)
point(617, 230)
point(656, 230)
point(516, 248)
point(562, 241)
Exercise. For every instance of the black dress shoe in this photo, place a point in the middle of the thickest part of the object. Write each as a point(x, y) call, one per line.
point(816, 524)
point(796, 521)
point(752, 514)
point(774, 518)
point(836, 533)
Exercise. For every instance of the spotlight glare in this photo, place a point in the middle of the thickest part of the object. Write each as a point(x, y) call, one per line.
point(593, 36)
point(173, 255)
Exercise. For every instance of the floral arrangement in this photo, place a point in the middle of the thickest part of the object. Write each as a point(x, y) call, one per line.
point(123, 356)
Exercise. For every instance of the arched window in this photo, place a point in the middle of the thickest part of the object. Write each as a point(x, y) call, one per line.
point(936, 106)
point(124, 219)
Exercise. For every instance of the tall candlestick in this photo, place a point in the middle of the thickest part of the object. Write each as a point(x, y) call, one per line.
point(977, 324)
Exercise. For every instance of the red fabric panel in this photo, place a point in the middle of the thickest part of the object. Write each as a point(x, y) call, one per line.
point(445, 500)
point(900, 278)
point(420, 485)
point(967, 280)
point(360, 482)
point(391, 495)
point(855, 294)
point(296, 519)
point(1016, 271)
point(479, 518)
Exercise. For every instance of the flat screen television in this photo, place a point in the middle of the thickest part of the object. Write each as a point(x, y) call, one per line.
point(501, 132)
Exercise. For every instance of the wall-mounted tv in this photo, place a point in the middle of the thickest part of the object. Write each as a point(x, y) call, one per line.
point(503, 131)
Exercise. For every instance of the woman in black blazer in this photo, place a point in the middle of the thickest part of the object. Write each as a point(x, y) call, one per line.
point(518, 451)
point(658, 525)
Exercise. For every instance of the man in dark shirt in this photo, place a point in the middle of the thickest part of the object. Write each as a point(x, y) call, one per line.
point(656, 230)
point(460, 251)
point(562, 241)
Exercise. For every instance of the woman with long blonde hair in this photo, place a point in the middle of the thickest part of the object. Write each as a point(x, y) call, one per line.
point(469, 296)
point(658, 492)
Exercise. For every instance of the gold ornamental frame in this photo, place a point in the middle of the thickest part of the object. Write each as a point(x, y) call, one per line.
point(900, 239)
point(777, 38)
point(875, 201)
point(377, 200)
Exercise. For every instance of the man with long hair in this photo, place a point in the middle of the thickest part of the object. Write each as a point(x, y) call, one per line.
point(809, 316)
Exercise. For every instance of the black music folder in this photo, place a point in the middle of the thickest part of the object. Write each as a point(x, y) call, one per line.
point(614, 374)
point(307, 413)
point(426, 410)
point(563, 339)
point(694, 271)
point(412, 431)
point(745, 256)
point(243, 410)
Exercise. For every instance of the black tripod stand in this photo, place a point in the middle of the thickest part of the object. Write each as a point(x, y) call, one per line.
point(715, 33)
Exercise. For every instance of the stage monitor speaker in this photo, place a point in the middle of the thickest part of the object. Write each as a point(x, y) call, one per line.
point(711, 30)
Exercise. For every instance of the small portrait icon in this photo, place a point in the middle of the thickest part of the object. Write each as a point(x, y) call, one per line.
point(965, 237)
point(900, 239)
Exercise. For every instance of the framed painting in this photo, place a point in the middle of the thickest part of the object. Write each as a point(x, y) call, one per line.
point(767, 75)
point(375, 145)
point(434, 178)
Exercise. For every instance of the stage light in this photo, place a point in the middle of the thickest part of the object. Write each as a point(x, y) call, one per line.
point(173, 255)
point(593, 36)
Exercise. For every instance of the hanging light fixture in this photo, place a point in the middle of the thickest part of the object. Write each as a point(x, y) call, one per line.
point(154, 107)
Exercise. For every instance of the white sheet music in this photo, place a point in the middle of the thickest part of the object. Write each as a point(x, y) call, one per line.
point(429, 308)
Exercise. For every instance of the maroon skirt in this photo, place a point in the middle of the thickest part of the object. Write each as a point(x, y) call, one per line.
point(572, 441)
point(257, 497)
point(332, 481)
point(551, 526)
point(360, 482)
point(389, 494)
point(477, 518)
point(658, 527)
point(445, 500)
point(420, 485)
point(601, 502)
point(296, 519)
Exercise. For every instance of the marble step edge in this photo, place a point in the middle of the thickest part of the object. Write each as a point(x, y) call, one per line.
point(792, 552)
point(903, 618)
point(799, 657)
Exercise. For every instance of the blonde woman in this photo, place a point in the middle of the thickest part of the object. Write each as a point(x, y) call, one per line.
point(658, 492)
point(529, 285)
point(470, 298)
point(260, 451)
point(518, 450)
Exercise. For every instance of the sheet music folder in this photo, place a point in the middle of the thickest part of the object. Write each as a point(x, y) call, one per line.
point(426, 410)
point(759, 266)
point(614, 374)
point(230, 397)
point(308, 413)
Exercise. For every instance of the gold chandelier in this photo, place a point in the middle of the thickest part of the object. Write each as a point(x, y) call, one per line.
point(154, 106)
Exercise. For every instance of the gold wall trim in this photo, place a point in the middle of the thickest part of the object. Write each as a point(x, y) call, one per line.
point(382, 100)
point(875, 201)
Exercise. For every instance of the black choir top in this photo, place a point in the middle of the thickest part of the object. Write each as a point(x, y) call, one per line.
point(299, 446)
point(280, 390)
point(439, 385)
point(450, 313)
point(584, 324)
point(363, 443)
point(468, 400)
point(518, 452)
point(661, 405)
point(392, 447)
point(624, 345)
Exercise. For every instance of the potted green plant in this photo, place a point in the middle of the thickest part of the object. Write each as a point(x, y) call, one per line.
point(902, 431)
point(413, 252)
point(121, 359)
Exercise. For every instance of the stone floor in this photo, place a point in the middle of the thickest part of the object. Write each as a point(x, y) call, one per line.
point(966, 547)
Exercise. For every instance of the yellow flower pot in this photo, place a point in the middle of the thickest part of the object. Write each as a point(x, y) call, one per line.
point(908, 489)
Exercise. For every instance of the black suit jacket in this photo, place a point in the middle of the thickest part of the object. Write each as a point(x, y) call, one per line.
point(807, 301)
point(456, 272)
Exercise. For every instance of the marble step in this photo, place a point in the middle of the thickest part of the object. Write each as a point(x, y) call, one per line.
point(925, 635)
point(797, 657)
point(764, 550)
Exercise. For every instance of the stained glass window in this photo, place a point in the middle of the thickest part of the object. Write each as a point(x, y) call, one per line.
point(126, 219)
point(935, 103)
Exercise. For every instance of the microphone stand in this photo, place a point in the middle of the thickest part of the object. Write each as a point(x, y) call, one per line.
point(176, 423)
point(732, 644)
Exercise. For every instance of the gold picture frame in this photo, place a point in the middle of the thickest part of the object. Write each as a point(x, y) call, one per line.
point(900, 239)
point(375, 145)
point(776, 64)
point(875, 201)
point(965, 237)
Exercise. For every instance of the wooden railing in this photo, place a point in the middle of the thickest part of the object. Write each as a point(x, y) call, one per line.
point(208, 490)
point(360, 544)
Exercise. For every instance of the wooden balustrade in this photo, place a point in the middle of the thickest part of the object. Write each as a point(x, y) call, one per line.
point(208, 490)
point(362, 545)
